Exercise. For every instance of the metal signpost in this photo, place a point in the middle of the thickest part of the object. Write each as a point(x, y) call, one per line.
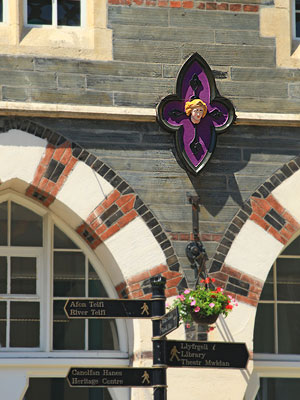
point(115, 376)
point(109, 308)
point(166, 353)
point(169, 322)
point(202, 354)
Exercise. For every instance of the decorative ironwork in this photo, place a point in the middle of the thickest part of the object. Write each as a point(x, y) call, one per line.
point(196, 114)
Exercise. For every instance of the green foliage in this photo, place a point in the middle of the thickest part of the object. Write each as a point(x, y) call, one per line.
point(203, 301)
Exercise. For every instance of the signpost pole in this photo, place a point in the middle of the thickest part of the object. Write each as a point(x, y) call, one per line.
point(158, 284)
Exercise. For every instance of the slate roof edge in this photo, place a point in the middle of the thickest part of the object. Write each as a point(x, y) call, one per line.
point(50, 110)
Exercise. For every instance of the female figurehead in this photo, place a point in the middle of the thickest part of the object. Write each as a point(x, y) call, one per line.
point(197, 109)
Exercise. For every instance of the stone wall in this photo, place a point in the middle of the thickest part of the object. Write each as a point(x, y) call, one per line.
point(150, 43)
point(142, 154)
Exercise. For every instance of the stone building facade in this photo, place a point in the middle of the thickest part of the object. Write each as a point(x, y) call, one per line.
point(81, 149)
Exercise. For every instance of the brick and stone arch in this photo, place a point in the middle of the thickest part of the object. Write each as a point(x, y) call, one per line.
point(94, 200)
point(266, 222)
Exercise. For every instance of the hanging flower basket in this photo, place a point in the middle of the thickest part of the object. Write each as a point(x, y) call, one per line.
point(203, 305)
point(204, 319)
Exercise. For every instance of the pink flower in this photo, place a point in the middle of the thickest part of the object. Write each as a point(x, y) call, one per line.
point(187, 291)
point(181, 297)
point(193, 303)
point(188, 326)
point(212, 305)
point(197, 309)
point(211, 328)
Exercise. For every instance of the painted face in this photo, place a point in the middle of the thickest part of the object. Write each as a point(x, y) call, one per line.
point(196, 114)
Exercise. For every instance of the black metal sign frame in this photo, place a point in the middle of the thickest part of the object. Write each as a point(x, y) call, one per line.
point(175, 353)
point(166, 353)
point(116, 377)
point(78, 308)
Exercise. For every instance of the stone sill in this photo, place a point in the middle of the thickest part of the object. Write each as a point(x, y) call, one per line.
point(21, 109)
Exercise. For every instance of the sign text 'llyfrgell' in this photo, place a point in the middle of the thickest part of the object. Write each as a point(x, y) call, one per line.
point(203, 354)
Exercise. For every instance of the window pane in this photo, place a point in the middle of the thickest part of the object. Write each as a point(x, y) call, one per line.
point(96, 289)
point(278, 389)
point(69, 274)
point(23, 275)
point(103, 334)
point(68, 12)
point(61, 241)
point(293, 249)
point(298, 5)
point(264, 329)
point(3, 224)
point(288, 279)
point(26, 227)
point(298, 25)
point(39, 12)
point(68, 334)
point(1, 11)
point(58, 388)
point(3, 275)
point(268, 289)
point(24, 324)
point(288, 328)
point(3, 306)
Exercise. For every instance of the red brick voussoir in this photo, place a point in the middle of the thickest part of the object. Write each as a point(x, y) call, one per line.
point(51, 173)
point(108, 217)
point(138, 286)
point(243, 287)
point(269, 214)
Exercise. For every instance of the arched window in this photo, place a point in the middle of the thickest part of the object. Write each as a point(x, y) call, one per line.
point(27, 316)
point(42, 264)
point(277, 329)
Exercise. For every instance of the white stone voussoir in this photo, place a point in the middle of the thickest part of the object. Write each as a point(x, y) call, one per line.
point(288, 195)
point(253, 251)
point(135, 249)
point(20, 155)
point(84, 190)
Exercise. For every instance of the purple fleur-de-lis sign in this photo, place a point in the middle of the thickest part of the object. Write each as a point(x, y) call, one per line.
point(196, 113)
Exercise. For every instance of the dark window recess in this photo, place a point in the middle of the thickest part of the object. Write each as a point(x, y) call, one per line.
point(273, 222)
point(278, 217)
point(68, 12)
point(236, 290)
point(39, 196)
point(39, 12)
point(114, 218)
point(298, 22)
point(54, 170)
point(51, 167)
point(109, 212)
point(57, 173)
point(1, 10)
point(237, 282)
point(89, 237)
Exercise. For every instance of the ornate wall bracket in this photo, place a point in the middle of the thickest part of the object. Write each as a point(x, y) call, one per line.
point(196, 114)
